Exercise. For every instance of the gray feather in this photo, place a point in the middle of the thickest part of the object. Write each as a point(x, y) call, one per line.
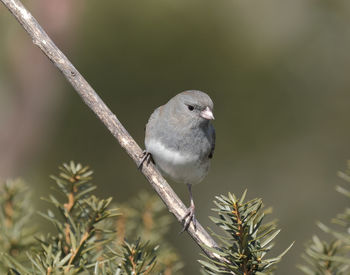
point(183, 132)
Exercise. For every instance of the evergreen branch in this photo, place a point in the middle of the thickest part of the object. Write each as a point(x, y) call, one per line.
point(16, 232)
point(247, 239)
point(145, 216)
point(85, 238)
point(94, 102)
point(331, 257)
point(76, 251)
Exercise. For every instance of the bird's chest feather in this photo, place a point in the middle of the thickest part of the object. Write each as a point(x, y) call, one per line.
point(183, 159)
point(189, 142)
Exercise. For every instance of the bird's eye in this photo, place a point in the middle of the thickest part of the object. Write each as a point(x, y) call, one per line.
point(190, 107)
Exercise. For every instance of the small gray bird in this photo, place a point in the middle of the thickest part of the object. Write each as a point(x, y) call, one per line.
point(181, 140)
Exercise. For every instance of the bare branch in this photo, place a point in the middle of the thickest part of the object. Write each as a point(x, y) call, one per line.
point(90, 97)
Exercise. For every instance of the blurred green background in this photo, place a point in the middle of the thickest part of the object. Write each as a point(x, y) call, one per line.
point(277, 71)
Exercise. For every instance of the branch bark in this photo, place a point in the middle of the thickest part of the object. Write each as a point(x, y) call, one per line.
point(94, 102)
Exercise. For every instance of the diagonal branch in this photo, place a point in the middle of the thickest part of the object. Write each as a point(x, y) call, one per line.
point(94, 102)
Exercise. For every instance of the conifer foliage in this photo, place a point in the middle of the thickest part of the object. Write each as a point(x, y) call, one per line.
point(331, 257)
point(84, 240)
point(246, 239)
point(92, 237)
point(16, 231)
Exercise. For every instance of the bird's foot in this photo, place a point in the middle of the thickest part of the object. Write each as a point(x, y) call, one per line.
point(189, 216)
point(145, 156)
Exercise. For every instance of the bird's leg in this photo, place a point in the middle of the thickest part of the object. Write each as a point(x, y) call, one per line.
point(189, 216)
point(145, 156)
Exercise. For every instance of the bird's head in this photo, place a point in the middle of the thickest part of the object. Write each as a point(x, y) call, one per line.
point(193, 107)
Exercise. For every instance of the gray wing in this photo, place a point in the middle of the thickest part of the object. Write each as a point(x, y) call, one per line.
point(212, 134)
point(151, 124)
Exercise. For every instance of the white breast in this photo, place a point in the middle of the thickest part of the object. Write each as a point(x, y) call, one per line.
point(179, 166)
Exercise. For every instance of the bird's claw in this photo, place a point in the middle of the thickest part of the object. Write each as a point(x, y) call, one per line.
point(189, 216)
point(145, 156)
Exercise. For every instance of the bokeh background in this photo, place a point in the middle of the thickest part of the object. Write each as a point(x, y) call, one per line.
point(277, 71)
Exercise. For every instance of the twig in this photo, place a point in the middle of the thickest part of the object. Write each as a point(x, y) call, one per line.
point(94, 102)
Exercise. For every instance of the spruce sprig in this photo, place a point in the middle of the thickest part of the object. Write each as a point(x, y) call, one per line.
point(331, 257)
point(16, 213)
point(246, 241)
point(84, 240)
point(76, 217)
point(146, 216)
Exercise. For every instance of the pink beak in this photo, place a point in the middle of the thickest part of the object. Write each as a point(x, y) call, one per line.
point(207, 114)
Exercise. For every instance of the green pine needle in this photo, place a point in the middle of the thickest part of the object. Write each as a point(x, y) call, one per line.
point(246, 239)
